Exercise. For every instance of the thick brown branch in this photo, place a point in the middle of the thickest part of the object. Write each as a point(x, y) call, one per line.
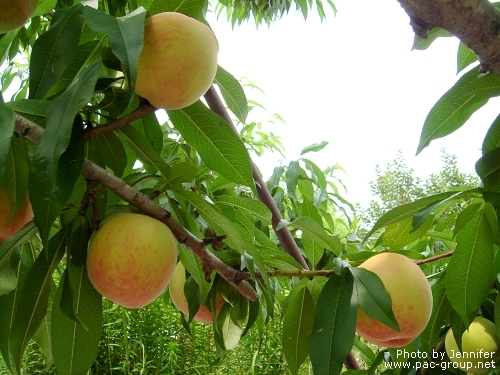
point(475, 22)
point(284, 235)
point(144, 204)
point(140, 112)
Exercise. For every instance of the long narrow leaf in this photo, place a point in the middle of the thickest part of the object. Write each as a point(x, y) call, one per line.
point(470, 271)
point(334, 325)
point(53, 50)
point(297, 326)
point(218, 145)
point(75, 345)
point(455, 107)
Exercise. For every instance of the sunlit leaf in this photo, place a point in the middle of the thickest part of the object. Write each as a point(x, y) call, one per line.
point(315, 147)
point(218, 145)
point(317, 233)
point(455, 107)
point(233, 93)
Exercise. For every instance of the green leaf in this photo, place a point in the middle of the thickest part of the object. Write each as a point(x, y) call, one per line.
point(470, 270)
point(373, 298)
point(492, 139)
point(465, 57)
point(193, 295)
point(292, 178)
point(150, 128)
point(233, 93)
point(44, 7)
point(7, 124)
point(334, 325)
point(315, 147)
point(317, 233)
point(230, 325)
point(8, 309)
point(54, 49)
point(219, 146)
point(236, 236)
point(497, 314)
point(256, 209)
point(27, 232)
point(400, 213)
point(488, 169)
point(5, 44)
point(34, 296)
point(455, 107)
point(58, 159)
point(441, 309)
point(313, 250)
point(112, 153)
point(191, 8)
point(75, 345)
point(17, 171)
point(126, 36)
point(297, 327)
point(400, 234)
point(143, 149)
point(193, 265)
point(85, 55)
point(30, 107)
point(420, 43)
point(180, 172)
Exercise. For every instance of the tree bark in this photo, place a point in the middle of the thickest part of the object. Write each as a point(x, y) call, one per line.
point(475, 22)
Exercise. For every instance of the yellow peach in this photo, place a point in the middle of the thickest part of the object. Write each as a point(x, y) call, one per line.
point(480, 347)
point(178, 61)
point(176, 291)
point(16, 13)
point(131, 259)
point(411, 301)
point(11, 225)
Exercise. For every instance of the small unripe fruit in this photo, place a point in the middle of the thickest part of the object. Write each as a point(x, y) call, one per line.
point(16, 13)
point(131, 259)
point(11, 225)
point(411, 301)
point(178, 61)
point(480, 347)
point(176, 291)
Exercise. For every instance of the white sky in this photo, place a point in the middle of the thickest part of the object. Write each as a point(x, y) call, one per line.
point(353, 81)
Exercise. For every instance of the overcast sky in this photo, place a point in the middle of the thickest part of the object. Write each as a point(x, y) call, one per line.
point(354, 81)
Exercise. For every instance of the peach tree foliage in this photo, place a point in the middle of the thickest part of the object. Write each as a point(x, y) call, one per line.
point(197, 168)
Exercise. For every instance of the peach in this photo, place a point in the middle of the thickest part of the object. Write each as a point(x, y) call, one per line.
point(178, 61)
point(131, 259)
point(16, 13)
point(11, 225)
point(480, 347)
point(176, 290)
point(411, 301)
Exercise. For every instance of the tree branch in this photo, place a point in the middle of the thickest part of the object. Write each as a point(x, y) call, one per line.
point(284, 235)
point(142, 111)
point(144, 204)
point(475, 22)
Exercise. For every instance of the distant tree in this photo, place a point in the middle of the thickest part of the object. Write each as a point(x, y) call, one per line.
point(397, 184)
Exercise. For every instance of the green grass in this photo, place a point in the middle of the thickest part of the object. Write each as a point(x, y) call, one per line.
point(152, 341)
